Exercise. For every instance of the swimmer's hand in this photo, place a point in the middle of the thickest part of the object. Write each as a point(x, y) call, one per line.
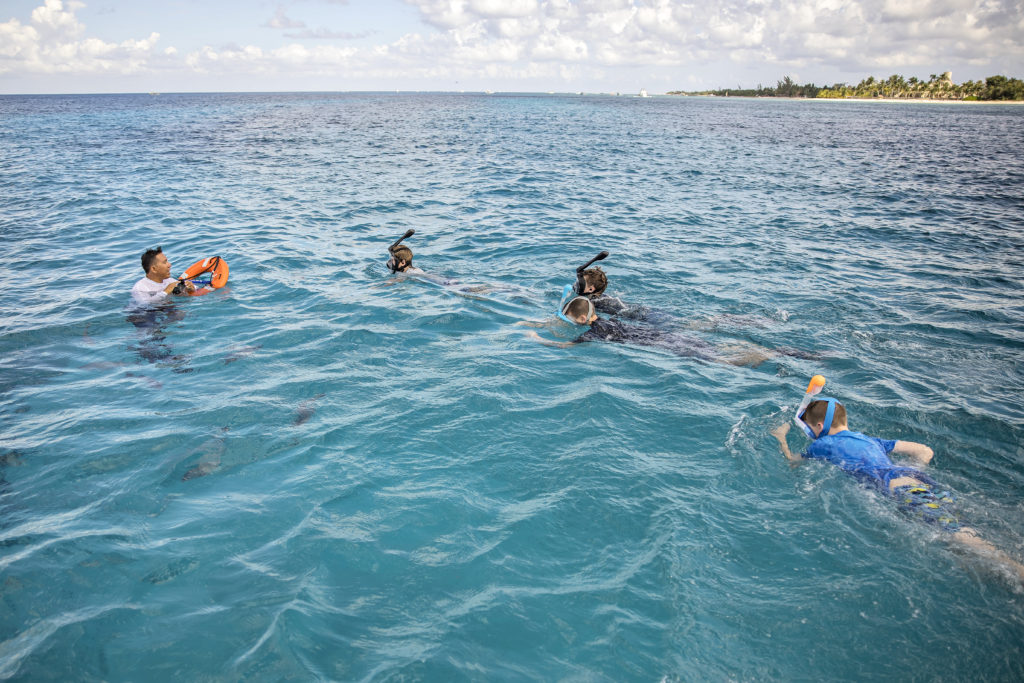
point(780, 434)
point(180, 287)
point(529, 323)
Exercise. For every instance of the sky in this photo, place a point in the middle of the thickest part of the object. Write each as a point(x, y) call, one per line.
point(110, 46)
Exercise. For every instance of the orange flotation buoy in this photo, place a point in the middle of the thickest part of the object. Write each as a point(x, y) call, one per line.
point(213, 264)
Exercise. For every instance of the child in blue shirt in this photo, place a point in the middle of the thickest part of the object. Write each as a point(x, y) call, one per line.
point(867, 458)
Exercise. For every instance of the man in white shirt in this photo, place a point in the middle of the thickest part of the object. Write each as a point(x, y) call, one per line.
point(158, 283)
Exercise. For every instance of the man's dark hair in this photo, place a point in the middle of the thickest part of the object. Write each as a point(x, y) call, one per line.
point(148, 256)
point(596, 277)
point(402, 253)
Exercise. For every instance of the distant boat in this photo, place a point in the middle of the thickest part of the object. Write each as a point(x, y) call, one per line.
point(154, 94)
point(643, 93)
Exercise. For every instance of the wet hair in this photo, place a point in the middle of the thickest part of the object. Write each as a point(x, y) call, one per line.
point(148, 256)
point(597, 278)
point(816, 413)
point(578, 308)
point(402, 253)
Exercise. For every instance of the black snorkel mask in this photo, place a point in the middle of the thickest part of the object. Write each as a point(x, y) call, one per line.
point(393, 262)
point(581, 283)
point(574, 291)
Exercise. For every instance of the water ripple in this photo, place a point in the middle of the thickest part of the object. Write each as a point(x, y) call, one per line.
point(323, 471)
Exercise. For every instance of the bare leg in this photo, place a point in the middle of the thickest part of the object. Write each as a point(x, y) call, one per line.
point(745, 354)
point(969, 539)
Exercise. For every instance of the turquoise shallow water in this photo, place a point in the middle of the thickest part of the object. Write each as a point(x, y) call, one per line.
point(326, 472)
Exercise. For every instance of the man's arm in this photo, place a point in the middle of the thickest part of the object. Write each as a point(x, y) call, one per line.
point(547, 342)
point(780, 434)
point(145, 296)
point(915, 451)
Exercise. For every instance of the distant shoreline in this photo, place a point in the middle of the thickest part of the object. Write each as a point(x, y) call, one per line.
point(900, 100)
point(525, 93)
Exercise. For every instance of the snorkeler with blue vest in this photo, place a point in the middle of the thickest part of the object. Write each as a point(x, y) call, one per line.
point(823, 420)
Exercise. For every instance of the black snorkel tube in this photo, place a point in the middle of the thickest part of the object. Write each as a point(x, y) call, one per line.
point(581, 283)
point(393, 262)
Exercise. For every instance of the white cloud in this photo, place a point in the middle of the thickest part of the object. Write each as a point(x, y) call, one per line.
point(54, 17)
point(326, 34)
point(249, 58)
point(836, 33)
point(559, 48)
point(52, 43)
point(499, 9)
point(562, 40)
point(280, 20)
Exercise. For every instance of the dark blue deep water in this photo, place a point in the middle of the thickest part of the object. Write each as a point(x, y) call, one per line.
point(325, 472)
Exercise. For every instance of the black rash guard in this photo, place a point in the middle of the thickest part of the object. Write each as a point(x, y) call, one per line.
point(611, 330)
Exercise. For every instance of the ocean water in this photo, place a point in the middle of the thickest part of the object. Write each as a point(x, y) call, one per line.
point(326, 472)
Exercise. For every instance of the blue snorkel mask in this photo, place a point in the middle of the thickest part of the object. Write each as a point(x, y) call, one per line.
point(813, 389)
point(826, 424)
point(568, 296)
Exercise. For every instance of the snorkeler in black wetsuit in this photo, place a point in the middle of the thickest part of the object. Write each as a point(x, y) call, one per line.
point(616, 331)
point(580, 311)
point(591, 283)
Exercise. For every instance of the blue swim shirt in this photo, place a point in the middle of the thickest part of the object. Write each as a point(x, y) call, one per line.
point(865, 457)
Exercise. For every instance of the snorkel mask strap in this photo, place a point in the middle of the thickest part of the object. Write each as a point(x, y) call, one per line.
point(829, 414)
